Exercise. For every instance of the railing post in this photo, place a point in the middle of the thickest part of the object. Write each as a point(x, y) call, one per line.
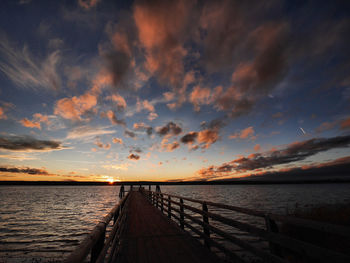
point(97, 248)
point(162, 203)
point(182, 225)
point(169, 206)
point(271, 226)
point(157, 197)
point(121, 191)
point(206, 221)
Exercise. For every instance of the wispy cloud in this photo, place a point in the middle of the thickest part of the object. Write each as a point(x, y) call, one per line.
point(26, 70)
point(88, 132)
point(122, 166)
point(21, 157)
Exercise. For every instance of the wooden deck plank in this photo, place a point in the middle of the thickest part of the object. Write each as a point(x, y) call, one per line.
point(151, 237)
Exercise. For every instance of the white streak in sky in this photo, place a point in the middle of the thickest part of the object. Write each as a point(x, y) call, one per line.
point(302, 130)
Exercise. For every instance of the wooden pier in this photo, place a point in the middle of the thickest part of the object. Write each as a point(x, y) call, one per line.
point(152, 237)
point(148, 226)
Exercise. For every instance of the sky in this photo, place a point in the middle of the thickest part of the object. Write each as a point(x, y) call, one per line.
point(97, 90)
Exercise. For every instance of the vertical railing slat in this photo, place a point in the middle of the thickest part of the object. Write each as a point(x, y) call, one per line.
point(182, 213)
point(169, 206)
point(162, 203)
point(206, 220)
point(271, 226)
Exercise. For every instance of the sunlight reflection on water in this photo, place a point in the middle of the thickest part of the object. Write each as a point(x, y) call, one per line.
point(49, 221)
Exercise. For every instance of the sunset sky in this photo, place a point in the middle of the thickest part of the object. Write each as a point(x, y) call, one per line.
point(173, 90)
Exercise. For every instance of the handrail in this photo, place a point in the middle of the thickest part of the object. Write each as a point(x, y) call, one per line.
point(276, 240)
point(325, 227)
point(94, 242)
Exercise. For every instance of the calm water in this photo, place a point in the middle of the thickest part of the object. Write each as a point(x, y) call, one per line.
point(47, 222)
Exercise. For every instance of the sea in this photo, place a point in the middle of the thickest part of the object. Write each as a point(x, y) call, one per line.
point(46, 223)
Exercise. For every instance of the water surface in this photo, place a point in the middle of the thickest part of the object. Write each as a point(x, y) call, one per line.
point(47, 222)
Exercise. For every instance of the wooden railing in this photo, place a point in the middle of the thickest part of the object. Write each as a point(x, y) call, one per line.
point(96, 243)
point(280, 245)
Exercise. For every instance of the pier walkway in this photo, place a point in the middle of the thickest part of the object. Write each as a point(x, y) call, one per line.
point(150, 226)
point(150, 236)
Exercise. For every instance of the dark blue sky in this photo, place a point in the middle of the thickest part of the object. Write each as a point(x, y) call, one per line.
point(167, 90)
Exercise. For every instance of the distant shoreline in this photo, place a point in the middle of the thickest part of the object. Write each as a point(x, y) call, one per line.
point(236, 182)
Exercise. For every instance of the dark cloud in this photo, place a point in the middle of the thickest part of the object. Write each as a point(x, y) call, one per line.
point(170, 128)
point(25, 170)
point(214, 124)
point(205, 137)
point(143, 127)
point(134, 157)
point(129, 134)
point(26, 143)
point(100, 144)
point(118, 64)
point(189, 138)
point(292, 153)
point(135, 149)
point(118, 53)
point(113, 118)
point(336, 169)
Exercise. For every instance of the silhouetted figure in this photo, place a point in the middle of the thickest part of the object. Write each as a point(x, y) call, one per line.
point(121, 191)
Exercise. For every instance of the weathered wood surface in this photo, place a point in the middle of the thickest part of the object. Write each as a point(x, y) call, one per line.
point(152, 237)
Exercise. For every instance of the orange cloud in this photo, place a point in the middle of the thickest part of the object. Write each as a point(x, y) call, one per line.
point(35, 123)
point(148, 106)
point(152, 116)
point(162, 27)
point(117, 140)
point(208, 137)
point(168, 96)
point(87, 4)
point(200, 96)
point(113, 118)
point(277, 115)
point(257, 147)
point(41, 118)
point(247, 133)
point(2, 114)
point(169, 147)
point(73, 108)
point(325, 126)
point(345, 124)
point(30, 124)
point(121, 42)
point(121, 103)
